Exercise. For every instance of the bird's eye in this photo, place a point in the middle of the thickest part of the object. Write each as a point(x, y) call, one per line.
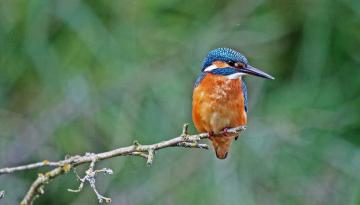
point(231, 63)
point(239, 65)
point(236, 64)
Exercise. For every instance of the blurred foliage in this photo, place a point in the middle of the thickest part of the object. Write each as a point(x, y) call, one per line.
point(80, 76)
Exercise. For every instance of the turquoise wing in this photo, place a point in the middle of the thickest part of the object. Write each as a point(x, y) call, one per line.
point(244, 89)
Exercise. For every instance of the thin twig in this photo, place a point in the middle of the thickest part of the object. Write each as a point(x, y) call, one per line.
point(146, 151)
point(9, 170)
point(90, 178)
point(151, 156)
point(36, 189)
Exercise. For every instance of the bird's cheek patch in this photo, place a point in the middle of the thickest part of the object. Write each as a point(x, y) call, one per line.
point(220, 64)
point(215, 65)
point(210, 68)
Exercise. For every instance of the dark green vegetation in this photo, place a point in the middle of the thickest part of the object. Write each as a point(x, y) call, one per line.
point(78, 76)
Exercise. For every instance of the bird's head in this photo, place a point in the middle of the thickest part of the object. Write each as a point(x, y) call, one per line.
point(230, 63)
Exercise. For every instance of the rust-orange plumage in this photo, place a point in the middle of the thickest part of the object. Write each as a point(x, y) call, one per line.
point(220, 96)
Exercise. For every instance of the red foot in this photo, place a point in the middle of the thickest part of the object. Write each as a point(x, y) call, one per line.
point(225, 129)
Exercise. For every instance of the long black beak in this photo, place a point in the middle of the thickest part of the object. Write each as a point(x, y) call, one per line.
point(254, 71)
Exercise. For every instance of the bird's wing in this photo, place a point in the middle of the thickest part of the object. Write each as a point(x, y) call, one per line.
point(199, 79)
point(244, 90)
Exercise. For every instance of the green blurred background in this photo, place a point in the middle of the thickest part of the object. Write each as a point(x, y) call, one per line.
point(79, 76)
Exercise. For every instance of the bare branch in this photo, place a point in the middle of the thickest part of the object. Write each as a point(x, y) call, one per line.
point(145, 151)
point(193, 145)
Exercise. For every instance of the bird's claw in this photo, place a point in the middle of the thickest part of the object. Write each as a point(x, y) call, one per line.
point(225, 129)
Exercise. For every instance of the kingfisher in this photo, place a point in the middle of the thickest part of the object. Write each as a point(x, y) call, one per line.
point(220, 99)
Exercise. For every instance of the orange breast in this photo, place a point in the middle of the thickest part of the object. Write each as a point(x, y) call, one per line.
point(218, 103)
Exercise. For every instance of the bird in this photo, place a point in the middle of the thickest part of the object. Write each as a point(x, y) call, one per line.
point(219, 99)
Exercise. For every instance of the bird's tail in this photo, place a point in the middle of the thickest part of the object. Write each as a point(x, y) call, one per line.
point(222, 144)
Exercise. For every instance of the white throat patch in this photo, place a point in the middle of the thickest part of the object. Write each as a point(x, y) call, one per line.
point(235, 76)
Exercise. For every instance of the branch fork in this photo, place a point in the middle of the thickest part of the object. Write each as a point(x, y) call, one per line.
point(89, 177)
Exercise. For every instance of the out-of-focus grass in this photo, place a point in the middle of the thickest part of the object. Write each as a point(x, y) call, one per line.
point(82, 76)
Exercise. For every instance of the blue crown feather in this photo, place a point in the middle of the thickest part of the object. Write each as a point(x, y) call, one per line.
point(225, 55)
